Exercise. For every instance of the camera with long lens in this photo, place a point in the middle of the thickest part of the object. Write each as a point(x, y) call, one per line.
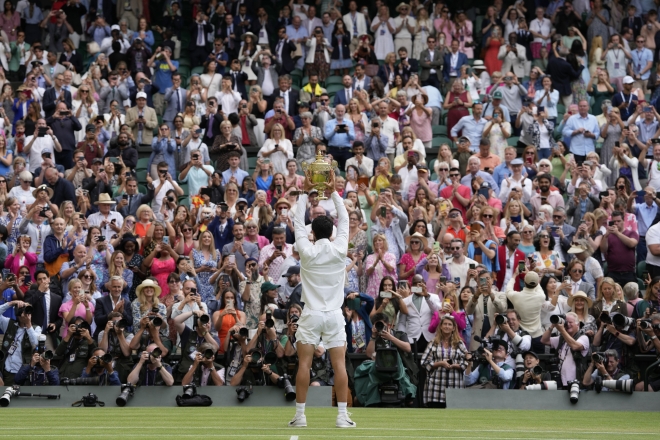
point(387, 360)
point(605, 317)
point(574, 391)
point(120, 326)
point(480, 354)
point(155, 353)
point(15, 391)
point(294, 319)
point(645, 324)
point(243, 332)
point(270, 323)
point(41, 348)
point(549, 385)
point(622, 321)
point(501, 319)
point(190, 390)
point(319, 368)
point(537, 370)
point(598, 357)
point(284, 381)
point(558, 319)
point(380, 326)
point(80, 381)
point(625, 386)
point(243, 392)
point(201, 320)
point(127, 391)
point(156, 321)
point(106, 359)
point(256, 360)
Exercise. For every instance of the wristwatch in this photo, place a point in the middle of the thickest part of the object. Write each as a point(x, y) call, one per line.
point(654, 337)
point(159, 368)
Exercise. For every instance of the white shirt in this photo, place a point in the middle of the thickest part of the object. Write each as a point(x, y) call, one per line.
point(404, 32)
point(460, 270)
point(653, 237)
point(323, 263)
point(25, 197)
point(509, 267)
point(157, 202)
point(388, 128)
point(39, 145)
point(228, 101)
point(188, 308)
point(197, 144)
point(47, 311)
point(349, 94)
point(267, 86)
point(654, 175)
point(96, 219)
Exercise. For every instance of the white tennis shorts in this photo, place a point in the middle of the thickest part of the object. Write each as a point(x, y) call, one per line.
point(314, 326)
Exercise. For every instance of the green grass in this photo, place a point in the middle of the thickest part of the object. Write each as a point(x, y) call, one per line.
point(270, 423)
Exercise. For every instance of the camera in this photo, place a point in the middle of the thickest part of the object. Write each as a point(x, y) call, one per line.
point(598, 357)
point(549, 385)
point(284, 381)
point(127, 391)
point(190, 390)
point(8, 394)
point(80, 381)
point(622, 321)
point(243, 392)
point(625, 386)
point(156, 321)
point(537, 371)
point(120, 326)
point(269, 319)
point(208, 354)
point(380, 326)
point(646, 324)
point(256, 360)
point(605, 317)
point(574, 391)
point(41, 348)
point(201, 320)
point(106, 358)
point(558, 319)
point(501, 319)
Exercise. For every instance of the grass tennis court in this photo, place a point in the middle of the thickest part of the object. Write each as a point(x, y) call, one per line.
point(270, 423)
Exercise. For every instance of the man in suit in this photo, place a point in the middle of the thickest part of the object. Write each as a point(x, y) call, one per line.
point(354, 21)
point(513, 56)
point(238, 79)
point(64, 124)
point(632, 21)
point(222, 226)
point(114, 91)
point(211, 121)
point(407, 66)
point(114, 302)
point(344, 95)
point(416, 322)
point(290, 96)
point(56, 94)
point(231, 35)
point(45, 306)
point(575, 271)
point(282, 51)
point(509, 256)
point(175, 100)
point(243, 19)
point(142, 120)
point(311, 21)
point(200, 45)
point(129, 202)
point(360, 80)
point(562, 74)
point(452, 63)
point(431, 62)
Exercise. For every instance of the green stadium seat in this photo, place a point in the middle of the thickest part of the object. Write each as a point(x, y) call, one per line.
point(641, 268)
point(439, 140)
point(335, 79)
point(252, 162)
point(513, 141)
point(141, 176)
point(184, 187)
point(439, 130)
point(198, 70)
point(334, 88)
point(184, 62)
point(142, 163)
point(142, 189)
point(185, 201)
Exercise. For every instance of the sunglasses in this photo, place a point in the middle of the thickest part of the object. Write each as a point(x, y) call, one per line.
point(557, 216)
point(23, 273)
point(487, 215)
point(186, 230)
point(544, 236)
point(544, 165)
point(454, 175)
point(455, 248)
point(528, 232)
point(415, 242)
point(252, 265)
point(3, 181)
point(577, 271)
point(87, 276)
point(251, 227)
point(443, 169)
point(171, 282)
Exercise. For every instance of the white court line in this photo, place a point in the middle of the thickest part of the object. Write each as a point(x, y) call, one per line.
point(294, 437)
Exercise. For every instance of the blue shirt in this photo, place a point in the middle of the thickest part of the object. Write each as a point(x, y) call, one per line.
point(99, 33)
point(163, 75)
point(36, 17)
point(239, 175)
point(467, 181)
point(435, 97)
point(640, 58)
point(645, 216)
point(472, 129)
point(342, 140)
point(581, 145)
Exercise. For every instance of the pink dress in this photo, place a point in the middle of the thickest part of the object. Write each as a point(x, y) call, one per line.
point(80, 312)
point(421, 125)
point(379, 272)
point(459, 317)
point(410, 264)
point(160, 270)
point(446, 26)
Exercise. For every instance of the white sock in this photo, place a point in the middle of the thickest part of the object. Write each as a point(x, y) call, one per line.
point(300, 409)
point(342, 408)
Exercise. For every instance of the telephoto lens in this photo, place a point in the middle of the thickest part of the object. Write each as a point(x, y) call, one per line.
point(520, 365)
point(127, 391)
point(598, 358)
point(269, 319)
point(48, 355)
point(549, 385)
point(243, 392)
point(622, 321)
point(558, 319)
point(380, 326)
point(605, 317)
point(208, 354)
point(645, 324)
point(574, 391)
point(289, 392)
point(537, 371)
point(7, 395)
point(190, 390)
point(244, 332)
point(121, 325)
point(501, 319)
point(106, 358)
point(625, 386)
point(157, 321)
point(204, 319)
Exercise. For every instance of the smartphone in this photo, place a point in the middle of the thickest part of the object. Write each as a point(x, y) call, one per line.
point(101, 238)
point(124, 197)
point(484, 192)
point(436, 247)
point(41, 132)
point(457, 281)
point(473, 266)
point(206, 191)
point(265, 160)
point(193, 290)
point(27, 279)
point(416, 289)
point(285, 211)
point(516, 219)
point(166, 240)
point(541, 108)
point(553, 231)
point(567, 279)
point(383, 211)
point(114, 160)
point(230, 304)
point(48, 155)
point(232, 259)
point(403, 284)
point(521, 266)
point(279, 248)
point(639, 197)
point(443, 279)
point(353, 304)
point(610, 223)
point(386, 295)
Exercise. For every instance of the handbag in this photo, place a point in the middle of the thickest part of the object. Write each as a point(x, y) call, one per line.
point(196, 400)
point(298, 53)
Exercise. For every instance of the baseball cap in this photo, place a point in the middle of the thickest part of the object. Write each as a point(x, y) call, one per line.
point(141, 95)
point(268, 286)
point(90, 127)
point(628, 79)
point(497, 94)
point(531, 279)
point(292, 270)
point(517, 162)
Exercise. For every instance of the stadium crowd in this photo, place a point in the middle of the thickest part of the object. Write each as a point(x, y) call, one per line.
point(500, 166)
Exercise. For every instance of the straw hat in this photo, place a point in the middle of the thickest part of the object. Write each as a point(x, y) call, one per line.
point(580, 294)
point(402, 5)
point(148, 283)
point(104, 198)
point(254, 37)
point(420, 237)
point(283, 201)
point(42, 188)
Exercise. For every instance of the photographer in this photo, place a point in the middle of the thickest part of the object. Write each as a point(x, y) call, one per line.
point(293, 312)
point(321, 373)
point(484, 308)
point(649, 340)
point(572, 347)
point(494, 373)
point(613, 336)
point(150, 371)
point(75, 349)
point(531, 361)
point(266, 339)
point(234, 347)
point(606, 366)
point(101, 366)
point(370, 375)
point(115, 339)
point(20, 339)
point(37, 373)
point(192, 302)
point(203, 370)
point(191, 339)
point(509, 330)
point(253, 372)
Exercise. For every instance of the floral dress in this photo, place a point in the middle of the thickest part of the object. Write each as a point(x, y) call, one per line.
point(306, 150)
point(100, 267)
point(409, 263)
point(208, 290)
point(551, 261)
point(137, 315)
point(13, 237)
point(379, 272)
point(352, 279)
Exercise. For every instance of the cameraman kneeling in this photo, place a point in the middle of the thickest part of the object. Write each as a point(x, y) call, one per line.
point(203, 370)
point(75, 349)
point(495, 372)
point(115, 340)
point(150, 371)
point(532, 370)
point(100, 365)
point(388, 349)
point(604, 366)
point(38, 372)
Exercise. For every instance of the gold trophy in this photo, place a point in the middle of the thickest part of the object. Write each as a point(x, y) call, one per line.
point(318, 173)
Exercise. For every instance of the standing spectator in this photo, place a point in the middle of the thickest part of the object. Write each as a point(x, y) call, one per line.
point(641, 62)
point(583, 130)
point(618, 248)
point(458, 102)
point(562, 74)
point(616, 56)
point(383, 26)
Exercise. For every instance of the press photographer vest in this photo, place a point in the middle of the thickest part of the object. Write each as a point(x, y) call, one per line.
point(485, 373)
point(581, 362)
point(187, 350)
point(74, 357)
point(10, 335)
point(513, 350)
point(197, 376)
point(321, 369)
point(115, 350)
